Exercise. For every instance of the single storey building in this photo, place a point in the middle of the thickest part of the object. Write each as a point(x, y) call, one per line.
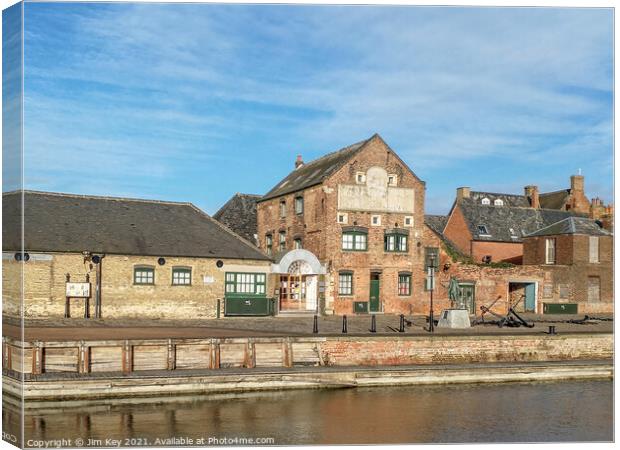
point(125, 258)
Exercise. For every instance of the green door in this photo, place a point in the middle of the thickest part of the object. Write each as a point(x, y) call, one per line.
point(373, 304)
point(467, 297)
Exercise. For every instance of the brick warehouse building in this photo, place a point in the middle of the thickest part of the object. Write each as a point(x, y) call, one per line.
point(144, 259)
point(577, 255)
point(347, 228)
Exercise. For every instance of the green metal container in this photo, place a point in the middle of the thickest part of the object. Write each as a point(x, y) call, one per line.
point(559, 308)
point(248, 306)
point(360, 307)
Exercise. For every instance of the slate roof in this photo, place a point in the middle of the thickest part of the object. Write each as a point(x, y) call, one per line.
point(75, 223)
point(554, 200)
point(239, 214)
point(499, 220)
point(436, 223)
point(572, 225)
point(314, 172)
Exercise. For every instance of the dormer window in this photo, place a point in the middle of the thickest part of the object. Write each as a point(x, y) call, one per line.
point(513, 234)
point(482, 230)
point(498, 202)
point(486, 201)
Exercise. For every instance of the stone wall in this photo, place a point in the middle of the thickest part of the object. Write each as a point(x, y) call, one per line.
point(45, 277)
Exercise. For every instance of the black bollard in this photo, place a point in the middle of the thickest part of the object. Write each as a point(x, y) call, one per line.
point(315, 326)
point(401, 328)
point(552, 329)
point(373, 323)
point(344, 324)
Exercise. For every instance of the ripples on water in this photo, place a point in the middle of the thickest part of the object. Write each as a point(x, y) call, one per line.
point(513, 412)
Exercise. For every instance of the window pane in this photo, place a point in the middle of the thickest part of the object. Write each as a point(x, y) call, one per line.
point(403, 243)
point(360, 242)
point(404, 284)
point(144, 276)
point(345, 284)
point(347, 241)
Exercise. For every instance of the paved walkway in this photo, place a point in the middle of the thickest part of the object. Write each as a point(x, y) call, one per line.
point(76, 328)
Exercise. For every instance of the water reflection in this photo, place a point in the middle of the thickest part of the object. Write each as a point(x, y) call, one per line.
point(519, 412)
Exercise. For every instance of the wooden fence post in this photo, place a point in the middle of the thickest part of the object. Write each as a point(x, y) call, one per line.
point(127, 363)
point(37, 359)
point(287, 353)
point(83, 358)
point(215, 354)
point(172, 355)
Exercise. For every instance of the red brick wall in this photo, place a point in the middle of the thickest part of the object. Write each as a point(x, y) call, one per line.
point(322, 235)
point(458, 232)
point(376, 153)
point(534, 250)
point(499, 251)
point(374, 351)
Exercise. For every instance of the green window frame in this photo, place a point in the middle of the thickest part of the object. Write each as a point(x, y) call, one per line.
point(144, 275)
point(282, 209)
point(345, 283)
point(354, 241)
point(282, 241)
point(269, 243)
point(299, 205)
point(404, 284)
point(181, 276)
point(245, 284)
point(396, 242)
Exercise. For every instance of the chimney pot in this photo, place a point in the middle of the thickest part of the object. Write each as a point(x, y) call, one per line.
point(531, 192)
point(299, 162)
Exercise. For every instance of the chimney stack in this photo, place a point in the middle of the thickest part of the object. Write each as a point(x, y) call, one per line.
point(299, 162)
point(462, 192)
point(531, 192)
point(576, 183)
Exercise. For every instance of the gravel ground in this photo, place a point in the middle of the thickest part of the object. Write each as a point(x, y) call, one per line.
point(279, 326)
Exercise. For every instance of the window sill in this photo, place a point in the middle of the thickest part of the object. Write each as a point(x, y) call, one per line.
point(181, 285)
point(144, 284)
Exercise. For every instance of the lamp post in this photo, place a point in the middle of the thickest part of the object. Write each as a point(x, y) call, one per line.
point(431, 276)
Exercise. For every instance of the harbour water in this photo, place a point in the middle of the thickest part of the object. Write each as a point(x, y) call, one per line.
point(510, 412)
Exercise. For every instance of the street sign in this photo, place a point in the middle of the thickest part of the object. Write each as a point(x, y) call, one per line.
point(78, 290)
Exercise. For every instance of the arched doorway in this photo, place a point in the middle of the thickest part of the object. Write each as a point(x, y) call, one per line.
point(299, 282)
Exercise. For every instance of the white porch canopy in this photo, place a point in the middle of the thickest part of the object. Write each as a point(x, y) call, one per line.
point(294, 256)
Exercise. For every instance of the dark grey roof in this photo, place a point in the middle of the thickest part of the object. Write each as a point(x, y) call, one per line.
point(554, 200)
point(508, 199)
point(572, 225)
point(75, 223)
point(436, 223)
point(239, 214)
point(314, 172)
point(506, 223)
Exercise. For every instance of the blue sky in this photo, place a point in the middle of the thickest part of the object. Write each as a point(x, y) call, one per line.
point(196, 102)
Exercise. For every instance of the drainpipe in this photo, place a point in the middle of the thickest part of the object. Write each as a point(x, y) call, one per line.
point(98, 289)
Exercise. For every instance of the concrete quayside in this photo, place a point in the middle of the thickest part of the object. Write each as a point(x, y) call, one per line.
point(117, 385)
